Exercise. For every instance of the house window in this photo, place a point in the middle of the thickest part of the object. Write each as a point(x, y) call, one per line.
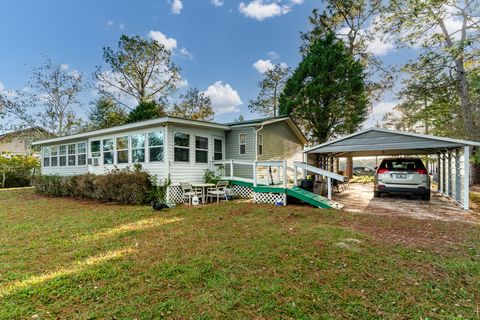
point(62, 159)
point(71, 154)
point(122, 149)
point(242, 143)
point(138, 148)
point(54, 156)
point(181, 147)
point(201, 150)
point(81, 153)
point(155, 146)
point(46, 156)
point(260, 144)
point(218, 149)
point(108, 149)
point(95, 149)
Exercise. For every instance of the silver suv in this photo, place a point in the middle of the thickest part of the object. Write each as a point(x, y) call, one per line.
point(402, 175)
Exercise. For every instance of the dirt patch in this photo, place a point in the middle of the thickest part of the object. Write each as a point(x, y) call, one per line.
point(358, 198)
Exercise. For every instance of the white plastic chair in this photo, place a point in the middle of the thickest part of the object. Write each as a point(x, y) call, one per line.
point(189, 192)
point(219, 191)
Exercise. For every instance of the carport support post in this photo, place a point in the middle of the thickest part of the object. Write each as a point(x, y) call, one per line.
point(439, 164)
point(449, 174)
point(443, 173)
point(466, 178)
point(457, 176)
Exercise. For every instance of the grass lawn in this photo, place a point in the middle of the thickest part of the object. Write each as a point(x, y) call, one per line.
point(68, 259)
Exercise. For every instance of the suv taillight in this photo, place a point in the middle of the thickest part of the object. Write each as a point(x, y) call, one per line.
point(382, 171)
point(421, 171)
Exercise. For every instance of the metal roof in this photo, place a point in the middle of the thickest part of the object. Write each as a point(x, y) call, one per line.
point(379, 141)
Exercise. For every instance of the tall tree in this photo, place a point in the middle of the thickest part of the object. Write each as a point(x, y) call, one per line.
point(139, 69)
point(48, 103)
point(327, 91)
point(193, 105)
point(146, 110)
point(271, 86)
point(354, 22)
point(447, 33)
point(105, 113)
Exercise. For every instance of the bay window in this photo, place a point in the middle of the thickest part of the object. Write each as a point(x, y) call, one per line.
point(62, 159)
point(81, 153)
point(181, 147)
point(54, 156)
point(46, 156)
point(71, 154)
point(108, 149)
point(122, 149)
point(155, 146)
point(218, 149)
point(201, 150)
point(138, 148)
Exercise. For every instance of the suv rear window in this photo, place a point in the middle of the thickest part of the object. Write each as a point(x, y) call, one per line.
point(402, 164)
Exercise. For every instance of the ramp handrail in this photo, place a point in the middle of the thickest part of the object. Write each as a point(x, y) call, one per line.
point(330, 175)
point(319, 171)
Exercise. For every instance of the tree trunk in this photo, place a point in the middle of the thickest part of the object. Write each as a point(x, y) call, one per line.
point(349, 167)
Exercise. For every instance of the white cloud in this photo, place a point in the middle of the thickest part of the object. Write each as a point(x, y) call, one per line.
point(181, 83)
point(378, 111)
point(158, 36)
point(121, 26)
point(273, 55)
point(263, 66)
point(259, 10)
point(110, 23)
point(2, 86)
point(224, 98)
point(177, 6)
point(263, 9)
point(185, 53)
point(64, 66)
point(217, 3)
point(380, 47)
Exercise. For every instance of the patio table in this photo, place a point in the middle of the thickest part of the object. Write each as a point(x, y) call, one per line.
point(203, 186)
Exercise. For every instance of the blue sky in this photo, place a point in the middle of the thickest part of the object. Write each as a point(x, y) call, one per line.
point(216, 43)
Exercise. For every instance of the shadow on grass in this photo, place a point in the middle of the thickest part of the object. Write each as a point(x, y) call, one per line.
point(77, 267)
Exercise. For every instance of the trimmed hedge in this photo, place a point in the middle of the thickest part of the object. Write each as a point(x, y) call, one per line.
point(124, 186)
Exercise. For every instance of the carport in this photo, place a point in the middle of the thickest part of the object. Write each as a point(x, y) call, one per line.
point(452, 155)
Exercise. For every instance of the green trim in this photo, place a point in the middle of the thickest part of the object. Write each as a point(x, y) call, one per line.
point(240, 183)
point(310, 198)
point(268, 189)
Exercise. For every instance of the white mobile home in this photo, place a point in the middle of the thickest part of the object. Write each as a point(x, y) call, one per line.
point(181, 149)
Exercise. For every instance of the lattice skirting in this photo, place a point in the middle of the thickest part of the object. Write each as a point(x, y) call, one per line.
point(175, 194)
point(242, 192)
point(271, 198)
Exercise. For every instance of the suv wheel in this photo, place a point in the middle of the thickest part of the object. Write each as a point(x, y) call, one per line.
point(426, 197)
point(377, 194)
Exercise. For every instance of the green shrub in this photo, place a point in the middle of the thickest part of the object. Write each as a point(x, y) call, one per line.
point(124, 186)
point(209, 176)
point(17, 170)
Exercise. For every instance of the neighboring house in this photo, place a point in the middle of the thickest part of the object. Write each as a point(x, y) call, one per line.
point(20, 142)
point(181, 149)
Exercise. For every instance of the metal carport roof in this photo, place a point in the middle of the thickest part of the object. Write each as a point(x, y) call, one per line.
point(454, 178)
point(379, 141)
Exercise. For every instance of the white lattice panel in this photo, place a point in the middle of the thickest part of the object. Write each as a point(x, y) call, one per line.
point(175, 194)
point(242, 192)
point(271, 198)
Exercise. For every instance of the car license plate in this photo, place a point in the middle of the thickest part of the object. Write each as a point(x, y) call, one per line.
point(401, 176)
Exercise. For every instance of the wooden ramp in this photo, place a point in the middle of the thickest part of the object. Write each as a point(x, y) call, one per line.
point(312, 198)
point(293, 191)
